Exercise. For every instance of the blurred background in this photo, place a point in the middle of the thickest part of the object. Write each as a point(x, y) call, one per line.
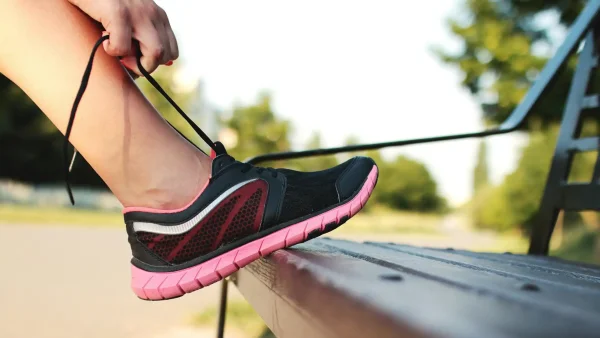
point(266, 76)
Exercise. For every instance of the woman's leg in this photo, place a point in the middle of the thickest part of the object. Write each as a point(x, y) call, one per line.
point(44, 49)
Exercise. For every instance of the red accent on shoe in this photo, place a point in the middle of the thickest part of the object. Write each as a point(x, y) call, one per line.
point(237, 216)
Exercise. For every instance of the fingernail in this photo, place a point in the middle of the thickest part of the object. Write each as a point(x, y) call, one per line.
point(123, 64)
point(169, 63)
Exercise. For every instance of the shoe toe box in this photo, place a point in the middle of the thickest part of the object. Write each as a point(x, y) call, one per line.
point(353, 177)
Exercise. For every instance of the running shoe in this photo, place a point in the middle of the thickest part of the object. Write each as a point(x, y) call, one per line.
point(244, 212)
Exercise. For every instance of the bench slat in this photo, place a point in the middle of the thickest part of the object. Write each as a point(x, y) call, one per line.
point(554, 263)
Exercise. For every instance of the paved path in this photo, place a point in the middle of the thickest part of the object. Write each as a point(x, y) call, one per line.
point(74, 282)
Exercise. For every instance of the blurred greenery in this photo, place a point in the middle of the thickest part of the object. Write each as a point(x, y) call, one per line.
point(505, 43)
point(40, 215)
point(504, 46)
point(406, 184)
point(381, 221)
point(581, 244)
point(31, 148)
point(481, 174)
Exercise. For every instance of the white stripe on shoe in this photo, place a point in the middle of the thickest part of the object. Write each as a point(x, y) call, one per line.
point(187, 226)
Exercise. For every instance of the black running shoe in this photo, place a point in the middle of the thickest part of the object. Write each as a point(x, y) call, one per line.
point(243, 213)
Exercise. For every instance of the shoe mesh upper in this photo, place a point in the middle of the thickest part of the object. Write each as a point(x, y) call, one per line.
point(310, 192)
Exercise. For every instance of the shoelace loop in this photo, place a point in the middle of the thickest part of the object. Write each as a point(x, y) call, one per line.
point(83, 86)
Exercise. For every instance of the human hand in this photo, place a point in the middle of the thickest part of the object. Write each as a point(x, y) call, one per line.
point(142, 20)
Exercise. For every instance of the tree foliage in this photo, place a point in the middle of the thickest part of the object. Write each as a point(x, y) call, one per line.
point(517, 199)
point(30, 145)
point(504, 47)
point(257, 130)
point(500, 56)
point(406, 184)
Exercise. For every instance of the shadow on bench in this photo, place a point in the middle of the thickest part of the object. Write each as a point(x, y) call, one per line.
point(334, 288)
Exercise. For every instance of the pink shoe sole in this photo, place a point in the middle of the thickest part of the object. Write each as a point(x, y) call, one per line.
point(166, 285)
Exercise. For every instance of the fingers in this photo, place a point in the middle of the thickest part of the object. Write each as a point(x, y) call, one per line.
point(157, 43)
point(119, 28)
point(173, 47)
point(152, 48)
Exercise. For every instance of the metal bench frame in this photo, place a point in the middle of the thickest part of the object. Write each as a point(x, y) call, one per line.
point(558, 193)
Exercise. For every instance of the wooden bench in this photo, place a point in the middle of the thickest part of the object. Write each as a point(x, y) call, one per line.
point(335, 288)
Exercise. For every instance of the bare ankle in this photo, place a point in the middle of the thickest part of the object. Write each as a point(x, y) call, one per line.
point(172, 190)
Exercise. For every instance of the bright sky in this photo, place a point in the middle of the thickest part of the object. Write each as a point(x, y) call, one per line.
point(361, 68)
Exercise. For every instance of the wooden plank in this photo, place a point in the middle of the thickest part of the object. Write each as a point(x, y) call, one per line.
point(553, 263)
point(530, 272)
point(332, 288)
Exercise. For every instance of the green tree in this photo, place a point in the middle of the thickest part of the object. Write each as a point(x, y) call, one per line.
point(30, 145)
point(480, 173)
point(257, 130)
point(504, 46)
point(517, 199)
point(500, 56)
point(406, 184)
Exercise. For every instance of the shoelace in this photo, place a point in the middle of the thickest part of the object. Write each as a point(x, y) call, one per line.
point(247, 167)
point(84, 82)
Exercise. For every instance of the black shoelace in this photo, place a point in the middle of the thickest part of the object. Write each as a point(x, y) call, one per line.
point(84, 82)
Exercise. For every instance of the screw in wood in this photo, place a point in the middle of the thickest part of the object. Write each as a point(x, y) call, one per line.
point(392, 277)
point(530, 287)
